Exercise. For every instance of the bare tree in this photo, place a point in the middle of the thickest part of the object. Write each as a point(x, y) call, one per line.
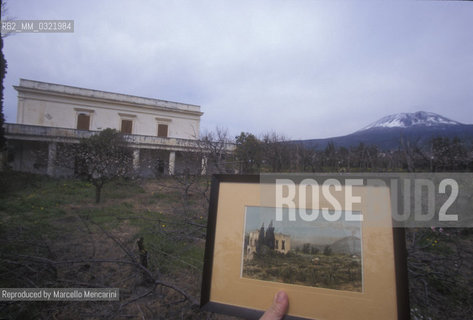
point(277, 151)
point(215, 149)
point(99, 159)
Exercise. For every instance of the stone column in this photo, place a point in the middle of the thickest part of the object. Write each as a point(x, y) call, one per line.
point(52, 150)
point(204, 166)
point(172, 162)
point(136, 159)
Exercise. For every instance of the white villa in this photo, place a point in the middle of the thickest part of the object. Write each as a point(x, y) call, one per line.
point(50, 115)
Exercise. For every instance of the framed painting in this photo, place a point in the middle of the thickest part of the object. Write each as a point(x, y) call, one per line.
point(333, 264)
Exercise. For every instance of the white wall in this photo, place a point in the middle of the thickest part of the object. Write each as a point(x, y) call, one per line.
point(60, 109)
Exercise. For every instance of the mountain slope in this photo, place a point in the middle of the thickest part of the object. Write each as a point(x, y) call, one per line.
point(386, 133)
point(347, 245)
point(406, 120)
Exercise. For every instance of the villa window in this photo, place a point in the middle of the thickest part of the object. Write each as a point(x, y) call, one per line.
point(163, 127)
point(283, 244)
point(163, 130)
point(126, 122)
point(127, 126)
point(84, 117)
point(277, 245)
point(83, 121)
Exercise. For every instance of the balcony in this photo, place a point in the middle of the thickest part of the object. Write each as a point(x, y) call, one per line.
point(15, 131)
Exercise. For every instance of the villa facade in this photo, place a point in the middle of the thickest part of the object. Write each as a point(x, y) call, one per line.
point(161, 133)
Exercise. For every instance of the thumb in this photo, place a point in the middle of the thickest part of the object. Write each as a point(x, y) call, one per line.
point(279, 307)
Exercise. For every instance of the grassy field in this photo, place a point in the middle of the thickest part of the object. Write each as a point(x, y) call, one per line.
point(52, 234)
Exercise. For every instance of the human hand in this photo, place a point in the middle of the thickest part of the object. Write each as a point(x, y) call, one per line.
point(279, 307)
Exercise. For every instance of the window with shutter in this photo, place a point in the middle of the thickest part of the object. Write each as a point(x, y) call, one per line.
point(163, 130)
point(83, 121)
point(127, 126)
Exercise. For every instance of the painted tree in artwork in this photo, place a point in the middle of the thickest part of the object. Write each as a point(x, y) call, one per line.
point(260, 244)
point(103, 157)
point(269, 238)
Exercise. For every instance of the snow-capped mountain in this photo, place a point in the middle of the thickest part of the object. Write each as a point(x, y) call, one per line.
point(406, 120)
point(420, 127)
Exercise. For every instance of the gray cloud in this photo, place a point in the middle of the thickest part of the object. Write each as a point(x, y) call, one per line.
point(306, 69)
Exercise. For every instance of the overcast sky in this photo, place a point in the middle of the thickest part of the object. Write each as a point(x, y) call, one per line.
point(319, 231)
point(304, 69)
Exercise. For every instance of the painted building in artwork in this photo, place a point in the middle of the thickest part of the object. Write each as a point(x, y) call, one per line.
point(278, 242)
point(52, 115)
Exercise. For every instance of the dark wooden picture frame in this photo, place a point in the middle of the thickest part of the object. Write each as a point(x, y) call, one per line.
point(211, 280)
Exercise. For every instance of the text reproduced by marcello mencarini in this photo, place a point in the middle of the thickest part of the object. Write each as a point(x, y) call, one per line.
point(59, 294)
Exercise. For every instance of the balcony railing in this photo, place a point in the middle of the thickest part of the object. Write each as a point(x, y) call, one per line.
point(53, 134)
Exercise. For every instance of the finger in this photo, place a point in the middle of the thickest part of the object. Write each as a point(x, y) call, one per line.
point(279, 307)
